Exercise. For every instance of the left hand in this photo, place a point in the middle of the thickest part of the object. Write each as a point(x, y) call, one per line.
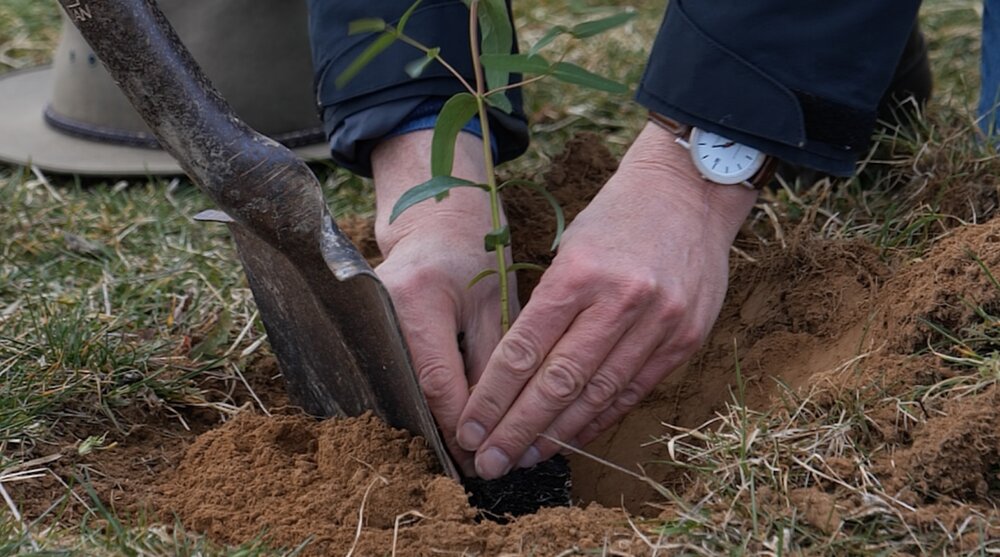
point(634, 290)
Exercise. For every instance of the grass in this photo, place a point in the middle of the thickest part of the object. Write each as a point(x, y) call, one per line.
point(111, 296)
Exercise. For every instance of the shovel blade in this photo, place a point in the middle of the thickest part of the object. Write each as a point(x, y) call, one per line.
point(332, 327)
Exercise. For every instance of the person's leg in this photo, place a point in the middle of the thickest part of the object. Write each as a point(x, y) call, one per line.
point(989, 96)
point(911, 84)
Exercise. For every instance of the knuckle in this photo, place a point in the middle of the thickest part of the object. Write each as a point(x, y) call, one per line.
point(689, 340)
point(629, 398)
point(435, 379)
point(639, 290)
point(562, 381)
point(413, 283)
point(516, 435)
point(520, 354)
point(488, 405)
point(600, 392)
point(669, 311)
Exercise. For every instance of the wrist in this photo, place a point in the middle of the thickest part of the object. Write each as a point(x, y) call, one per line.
point(657, 154)
point(402, 162)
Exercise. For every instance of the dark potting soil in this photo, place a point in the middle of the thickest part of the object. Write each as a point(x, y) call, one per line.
point(523, 491)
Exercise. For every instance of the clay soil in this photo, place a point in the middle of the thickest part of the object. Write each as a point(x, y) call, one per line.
point(831, 319)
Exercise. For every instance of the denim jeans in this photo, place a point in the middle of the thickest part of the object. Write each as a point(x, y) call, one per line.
point(989, 96)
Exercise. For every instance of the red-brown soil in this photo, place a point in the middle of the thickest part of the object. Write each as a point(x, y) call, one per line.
point(830, 319)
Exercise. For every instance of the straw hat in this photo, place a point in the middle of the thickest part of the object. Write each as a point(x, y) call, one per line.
point(71, 118)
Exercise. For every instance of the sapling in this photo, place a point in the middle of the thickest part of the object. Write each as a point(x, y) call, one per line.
point(491, 40)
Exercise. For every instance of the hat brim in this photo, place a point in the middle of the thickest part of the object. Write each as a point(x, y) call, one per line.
point(25, 137)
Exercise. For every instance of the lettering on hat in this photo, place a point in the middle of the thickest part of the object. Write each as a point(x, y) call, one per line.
point(79, 10)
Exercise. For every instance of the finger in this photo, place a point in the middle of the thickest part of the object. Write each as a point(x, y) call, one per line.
point(429, 325)
point(625, 361)
point(513, 363)
point(660, 364)
point(482, 331)
point(562, 376)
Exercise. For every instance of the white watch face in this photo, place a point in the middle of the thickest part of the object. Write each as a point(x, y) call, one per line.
point(723, 160)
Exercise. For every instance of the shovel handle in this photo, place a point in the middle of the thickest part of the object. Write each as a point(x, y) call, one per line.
point(258, 182)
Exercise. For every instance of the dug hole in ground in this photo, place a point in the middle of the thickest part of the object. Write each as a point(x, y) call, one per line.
point(864, 414)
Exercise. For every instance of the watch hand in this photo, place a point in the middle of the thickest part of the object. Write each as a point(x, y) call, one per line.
point(724, 145)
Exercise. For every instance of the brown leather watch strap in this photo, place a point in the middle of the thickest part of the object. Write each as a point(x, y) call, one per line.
point(758, 181)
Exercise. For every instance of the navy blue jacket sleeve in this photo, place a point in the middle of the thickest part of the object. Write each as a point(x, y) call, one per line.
point(798, 79)
point(382, 96)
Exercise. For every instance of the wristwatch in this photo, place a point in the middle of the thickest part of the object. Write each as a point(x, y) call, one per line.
point(720, 160)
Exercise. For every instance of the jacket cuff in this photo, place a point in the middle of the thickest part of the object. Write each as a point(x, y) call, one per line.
point(379, 99)
point(695, 79)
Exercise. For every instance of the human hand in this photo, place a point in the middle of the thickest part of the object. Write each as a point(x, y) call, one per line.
point(431, 253)
point(634, 290)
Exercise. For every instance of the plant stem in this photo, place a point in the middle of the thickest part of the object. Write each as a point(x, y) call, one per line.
point(426, 50)
point(491, 179)
point(518, 84)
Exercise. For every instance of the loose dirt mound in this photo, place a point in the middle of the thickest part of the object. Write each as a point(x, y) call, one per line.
point(298, 479)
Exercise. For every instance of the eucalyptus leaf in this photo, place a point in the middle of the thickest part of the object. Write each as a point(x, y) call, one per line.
point(526, 267)
point(437, 188)
point(480, 276)
point(366, 25)
point(549, 36)
point(497, 38)
point(501, 101)
point(452, 118)
point(510, 269)
point(497, 238)
point(571, 73)
point(405, 18)
point(520, 63)
point(598, 26)
point(415, 68)
point(383, 42)
point(556, 208)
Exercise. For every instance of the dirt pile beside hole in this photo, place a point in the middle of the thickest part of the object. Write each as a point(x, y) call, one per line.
point(296, 479)
point(144, 442)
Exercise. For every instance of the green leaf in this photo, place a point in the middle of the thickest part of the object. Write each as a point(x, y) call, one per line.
point(598, 26)
point(500, 100)
point(480, 276)
point(556, 208)
point(550, 35)
point(497, 238)
point(526, 267)
point(571, 73)
point(383, 42)
point(510, 269)
point(436, 187)
point(452, 118)
point(520, 63)
point(497, 37)
point(406, 16)
point(417, 67)
point(366, 25)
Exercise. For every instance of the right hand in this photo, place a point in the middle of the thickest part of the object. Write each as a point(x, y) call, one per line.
point(431, 253)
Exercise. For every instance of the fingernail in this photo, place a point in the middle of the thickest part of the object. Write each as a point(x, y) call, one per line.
point(468, 468)
point(530, 458)
point(471, 435)
point(492, 464)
